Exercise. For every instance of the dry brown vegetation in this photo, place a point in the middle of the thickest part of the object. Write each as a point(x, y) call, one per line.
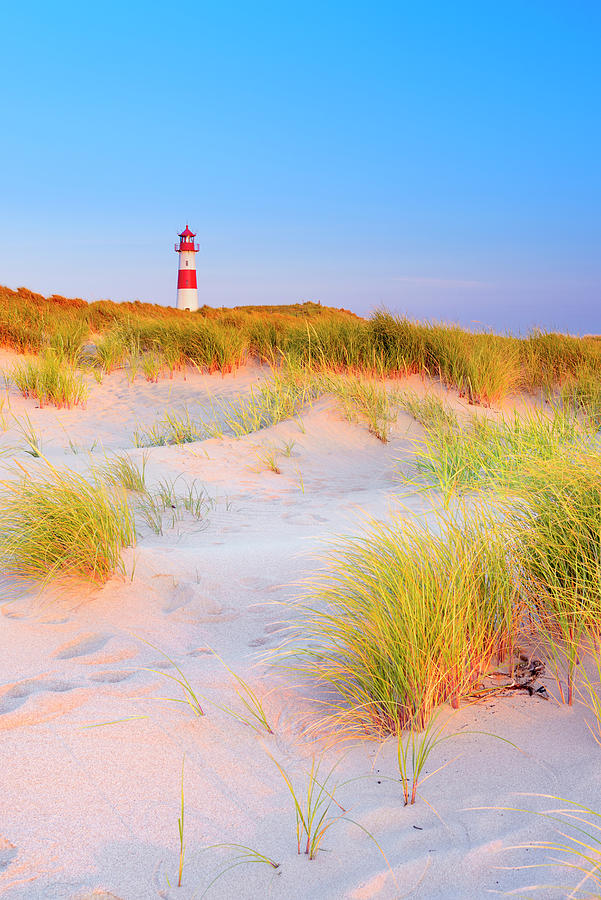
point(484, 367)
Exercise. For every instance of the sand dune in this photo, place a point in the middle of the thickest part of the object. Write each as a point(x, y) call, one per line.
point(92, 745)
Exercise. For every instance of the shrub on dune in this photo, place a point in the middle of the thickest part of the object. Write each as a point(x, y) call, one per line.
point(59, 524)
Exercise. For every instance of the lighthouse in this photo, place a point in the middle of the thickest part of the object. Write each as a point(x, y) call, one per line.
point(187, 292)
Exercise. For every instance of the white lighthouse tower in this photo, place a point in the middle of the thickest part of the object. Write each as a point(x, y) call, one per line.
point(187, 291)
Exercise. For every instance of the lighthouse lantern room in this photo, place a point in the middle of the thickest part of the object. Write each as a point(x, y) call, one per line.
point(187, 291)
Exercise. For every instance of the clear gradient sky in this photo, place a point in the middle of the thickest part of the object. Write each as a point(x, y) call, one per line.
point(437, 158)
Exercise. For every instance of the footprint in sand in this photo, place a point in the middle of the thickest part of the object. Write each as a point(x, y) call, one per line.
point(110, 677)
point(37, 700)
point(190, 602)
point(16, 695)
point(83, 645)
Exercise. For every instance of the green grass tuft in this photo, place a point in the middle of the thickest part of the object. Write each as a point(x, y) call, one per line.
point(51, 379)
point(59, 524)
point(405, 620)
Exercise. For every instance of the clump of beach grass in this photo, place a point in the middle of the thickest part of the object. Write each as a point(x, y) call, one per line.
point(67, 341)
point(122, 470)
point(59, 524)
point(430, 411)
point(415, 747)
point(556, 520)
point(51, 379)
point(166, 498)
point(282, 397)
point(152, 364)
point(412, 756)
point(111, 351)
point(406, 619)
point(173, 357)
point(363, 400)
point(582, 395)
point(268, 456)
point(31, 437)
point(313, 805)
point(494, 454)
point(175, 427)
point(550, 360)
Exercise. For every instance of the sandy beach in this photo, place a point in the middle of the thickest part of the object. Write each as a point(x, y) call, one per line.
point(93, 744)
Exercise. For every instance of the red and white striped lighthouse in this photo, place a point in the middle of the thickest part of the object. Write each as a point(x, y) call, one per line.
point(187, 291)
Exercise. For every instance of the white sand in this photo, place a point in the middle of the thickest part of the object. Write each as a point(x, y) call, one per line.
point(93, 811)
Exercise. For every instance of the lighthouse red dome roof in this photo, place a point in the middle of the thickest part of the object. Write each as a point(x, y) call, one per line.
point(187, 233)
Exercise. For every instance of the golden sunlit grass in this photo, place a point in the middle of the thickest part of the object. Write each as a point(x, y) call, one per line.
point(315, 807)
point(406, 619)
point(582, 394)
point(121, 470)
point(281, 397)
point(557, 523)
point(50, 379)
point(489, 453)
point(363, 400)
point(484, 367)
point(58, 524)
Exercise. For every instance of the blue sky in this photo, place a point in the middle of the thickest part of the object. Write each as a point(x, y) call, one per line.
point(436, 158)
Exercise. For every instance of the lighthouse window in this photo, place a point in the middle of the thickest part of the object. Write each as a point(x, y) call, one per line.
point(186, 262)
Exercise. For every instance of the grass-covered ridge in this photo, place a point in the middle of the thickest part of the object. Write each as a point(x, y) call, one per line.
point(156, 341)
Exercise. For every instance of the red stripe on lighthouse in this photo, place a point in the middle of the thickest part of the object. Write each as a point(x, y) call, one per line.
point(186, 278)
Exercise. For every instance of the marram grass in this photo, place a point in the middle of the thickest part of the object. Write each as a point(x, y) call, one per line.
point(51, 379)
point(556, 520)
point(58, 524)
point(582, 395)
point(494, 454)
point(406, 619)
point(483, 367)
point(362, 400)
point(281, 397)
point(123, 471)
